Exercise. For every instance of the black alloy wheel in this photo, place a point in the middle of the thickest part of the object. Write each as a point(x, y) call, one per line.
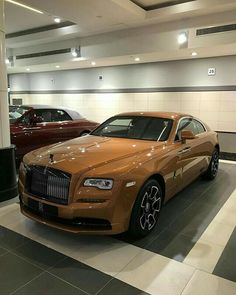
point(213, 166)
point(146, 209)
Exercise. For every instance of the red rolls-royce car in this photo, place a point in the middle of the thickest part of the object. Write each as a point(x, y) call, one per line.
point(34, 126)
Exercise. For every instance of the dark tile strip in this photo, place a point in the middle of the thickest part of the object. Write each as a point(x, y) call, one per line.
point(226, 265)
point(32, 268)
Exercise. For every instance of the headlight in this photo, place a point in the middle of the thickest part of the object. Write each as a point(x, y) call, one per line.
point(99, 183)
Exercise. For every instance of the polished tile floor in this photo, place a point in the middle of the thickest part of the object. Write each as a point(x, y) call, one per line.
point(192, 251)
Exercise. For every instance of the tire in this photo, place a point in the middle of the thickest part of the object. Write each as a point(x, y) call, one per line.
point(146, 209)
point(212, 170)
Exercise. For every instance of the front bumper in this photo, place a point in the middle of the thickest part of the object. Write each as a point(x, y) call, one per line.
point(106, 218)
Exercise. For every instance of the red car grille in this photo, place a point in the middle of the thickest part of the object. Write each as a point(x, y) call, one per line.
point(48, 184)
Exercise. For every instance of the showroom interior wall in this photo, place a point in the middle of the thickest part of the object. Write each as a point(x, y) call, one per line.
point(183, 86)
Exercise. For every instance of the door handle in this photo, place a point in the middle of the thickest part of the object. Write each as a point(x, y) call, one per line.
point(185, 150)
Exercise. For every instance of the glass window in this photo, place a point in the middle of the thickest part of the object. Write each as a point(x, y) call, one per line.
point(60, 115)
point(199, 127)
point(52, 115)
point(145, 128)
point(16, 112)
point(186, 124)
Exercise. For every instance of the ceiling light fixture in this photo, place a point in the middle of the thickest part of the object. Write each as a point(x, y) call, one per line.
point(27, 69)
point(137, 59)
point(7, 61)
point(93, 63)
point(75, 51)
point(182, 38)
point(57, 20)
point(194, 53)
point(57, 66)
point(25, 6)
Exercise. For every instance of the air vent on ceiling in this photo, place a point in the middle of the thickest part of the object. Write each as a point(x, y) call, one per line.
point(218, 29)
point(44, 53)
point(40, 29)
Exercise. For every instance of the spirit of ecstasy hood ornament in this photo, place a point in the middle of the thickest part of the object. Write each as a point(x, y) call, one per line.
point(51, 158)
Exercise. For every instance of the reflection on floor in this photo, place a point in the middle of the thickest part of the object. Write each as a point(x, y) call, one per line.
point(191, 252)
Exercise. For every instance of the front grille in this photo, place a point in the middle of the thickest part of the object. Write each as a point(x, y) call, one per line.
point(48, 184)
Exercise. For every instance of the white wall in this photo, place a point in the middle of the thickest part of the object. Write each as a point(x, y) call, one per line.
point(217, 109)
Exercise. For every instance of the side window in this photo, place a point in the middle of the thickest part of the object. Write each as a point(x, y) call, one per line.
point(26, 119)
point(60, 115)
point(200, 127)
point(186, 124)
point(45, 115)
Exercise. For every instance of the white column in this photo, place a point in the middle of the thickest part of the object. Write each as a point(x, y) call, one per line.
point(4, 116)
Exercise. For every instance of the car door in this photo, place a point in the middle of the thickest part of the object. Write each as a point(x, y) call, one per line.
point(21, 134)
point(190, 160)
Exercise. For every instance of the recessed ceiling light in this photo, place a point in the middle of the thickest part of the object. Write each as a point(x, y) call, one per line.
point(137, 59)
point(93, 63)
point(57, 20)
point(28, 69)
point(182, 38)
point(194, 53)
point(25, 6)
point(57, 66)
point(7, 61)
point(75, 51)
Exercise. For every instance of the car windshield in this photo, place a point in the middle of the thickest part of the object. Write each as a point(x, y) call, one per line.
point(16, 112)
point(135, 127)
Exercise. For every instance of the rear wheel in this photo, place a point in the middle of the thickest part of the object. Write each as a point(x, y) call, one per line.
point(146, 209)
point(212, 170)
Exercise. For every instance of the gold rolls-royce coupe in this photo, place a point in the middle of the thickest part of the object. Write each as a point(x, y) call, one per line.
point(118, 177)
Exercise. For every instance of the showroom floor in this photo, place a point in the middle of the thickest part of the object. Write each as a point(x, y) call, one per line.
point(192, 251)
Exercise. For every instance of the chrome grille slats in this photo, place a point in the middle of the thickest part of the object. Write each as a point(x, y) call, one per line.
point(48, 183)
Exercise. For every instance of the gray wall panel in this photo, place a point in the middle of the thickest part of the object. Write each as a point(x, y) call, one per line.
point(187, 73)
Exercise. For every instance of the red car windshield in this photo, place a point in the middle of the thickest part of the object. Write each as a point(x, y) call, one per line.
point(16, 112)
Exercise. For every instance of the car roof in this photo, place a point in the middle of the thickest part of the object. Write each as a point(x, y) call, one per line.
point(72, 113)
point(168, 115)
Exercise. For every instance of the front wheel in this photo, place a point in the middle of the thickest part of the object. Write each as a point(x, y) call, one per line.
point(146, 209)
point(212, 170)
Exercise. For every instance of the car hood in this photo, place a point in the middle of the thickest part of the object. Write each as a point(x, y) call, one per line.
point(85, 153)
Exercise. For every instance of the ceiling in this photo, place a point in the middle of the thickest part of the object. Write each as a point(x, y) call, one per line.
point(19, 19)
point(115, 31)
point(153, 4)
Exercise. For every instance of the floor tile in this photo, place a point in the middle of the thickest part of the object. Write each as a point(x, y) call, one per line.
point(207, 284)
point(15, 272)
point(225, 266)
point(10, 215)
point(230, 204)
point(172, 245)
point(217, 233)
point(38, 254)
point(46, 284)
point(156, 274)
point(106, 254)
point(204, 255)
point(226, 216)
point(116, 287)
point(80, 275)
point(10, 240)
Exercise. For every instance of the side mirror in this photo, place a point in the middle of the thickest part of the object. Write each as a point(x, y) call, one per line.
point(187, 134)
point(36, 120)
